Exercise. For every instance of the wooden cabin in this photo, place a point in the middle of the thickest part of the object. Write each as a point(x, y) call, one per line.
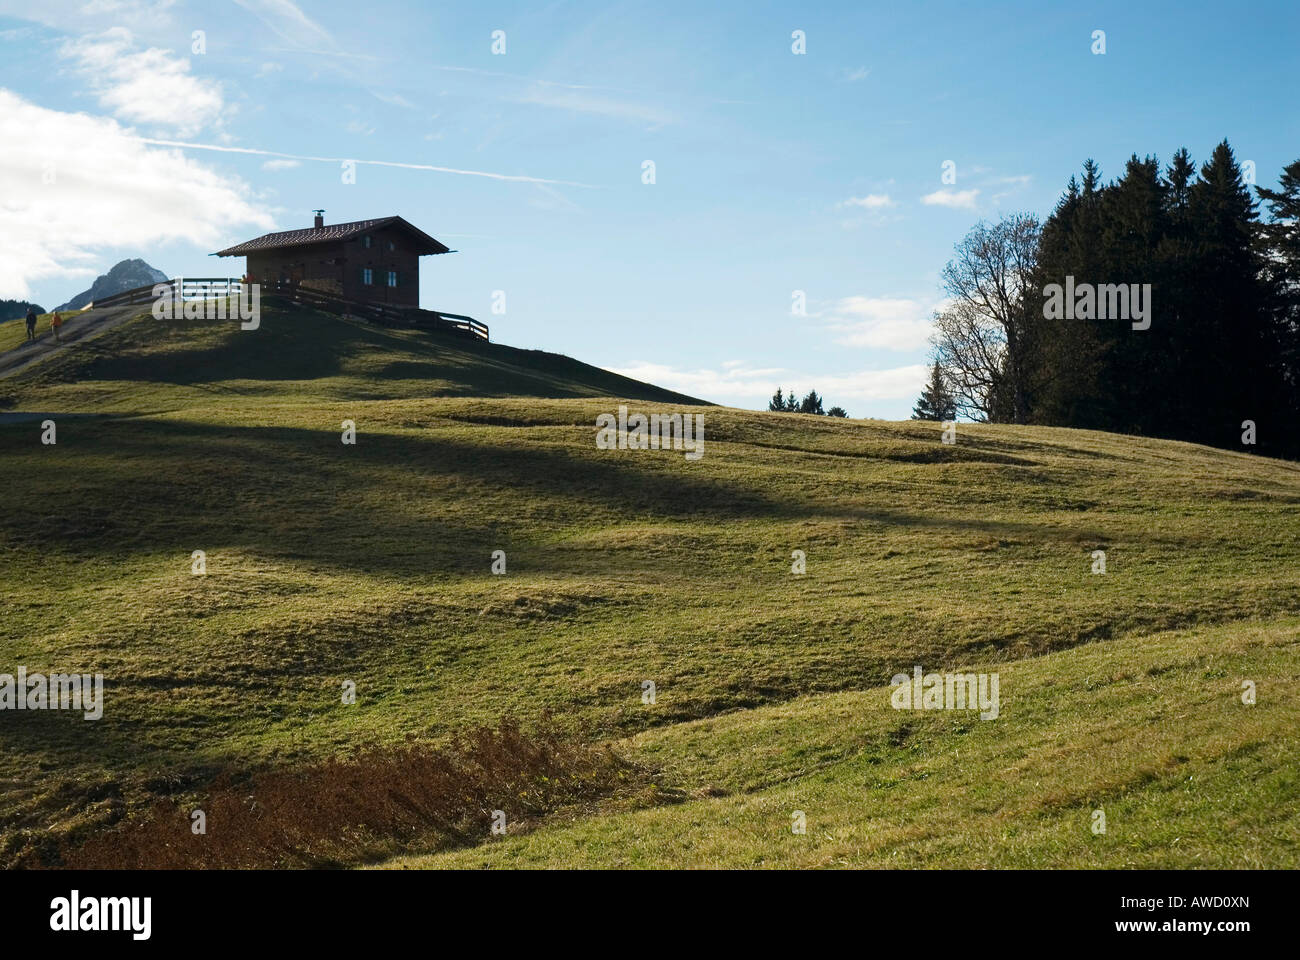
point(375, 261)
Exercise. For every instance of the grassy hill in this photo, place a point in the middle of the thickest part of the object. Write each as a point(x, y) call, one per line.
point(328, 563)
point(302, 355)
point(1151, 731)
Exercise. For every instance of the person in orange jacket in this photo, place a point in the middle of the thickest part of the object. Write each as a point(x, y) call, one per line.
point(56, 321)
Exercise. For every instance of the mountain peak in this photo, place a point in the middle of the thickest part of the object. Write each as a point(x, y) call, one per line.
point(124, 275)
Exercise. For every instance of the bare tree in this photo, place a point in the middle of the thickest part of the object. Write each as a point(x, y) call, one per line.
point(970, 351)
point(984, 338)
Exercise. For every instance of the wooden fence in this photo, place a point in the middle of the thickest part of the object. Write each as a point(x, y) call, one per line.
point(386, 314)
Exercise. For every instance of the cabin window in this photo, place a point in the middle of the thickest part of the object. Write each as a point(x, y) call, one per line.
point(367, 276)
point(391, 246)
point(365, 241)
point(392, 278)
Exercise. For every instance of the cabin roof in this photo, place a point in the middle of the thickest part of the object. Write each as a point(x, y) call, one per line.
point(425, 244)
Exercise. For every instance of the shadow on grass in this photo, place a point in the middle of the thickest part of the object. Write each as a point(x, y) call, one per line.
point(297, 344)
point(402, 504)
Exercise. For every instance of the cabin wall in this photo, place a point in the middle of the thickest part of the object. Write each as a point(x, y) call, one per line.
point(317, 266)
point(337, 268)
point(380, 260)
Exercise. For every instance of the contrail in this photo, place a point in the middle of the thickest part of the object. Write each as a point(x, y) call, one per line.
point(373, 163)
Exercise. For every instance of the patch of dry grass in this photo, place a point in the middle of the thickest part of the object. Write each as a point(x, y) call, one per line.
point(371, 803)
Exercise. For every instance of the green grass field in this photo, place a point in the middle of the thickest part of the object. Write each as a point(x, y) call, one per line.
point(371, 563)
point(1150, 731)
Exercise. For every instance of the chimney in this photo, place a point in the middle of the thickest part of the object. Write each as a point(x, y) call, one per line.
point(320, 218)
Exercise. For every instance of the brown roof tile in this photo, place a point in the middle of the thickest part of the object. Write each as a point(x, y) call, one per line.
point(331, 231)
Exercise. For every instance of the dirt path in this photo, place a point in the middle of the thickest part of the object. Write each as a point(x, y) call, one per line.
point(77, 328)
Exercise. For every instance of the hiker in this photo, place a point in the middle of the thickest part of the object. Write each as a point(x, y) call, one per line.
point(56, 321)
point(31, 323)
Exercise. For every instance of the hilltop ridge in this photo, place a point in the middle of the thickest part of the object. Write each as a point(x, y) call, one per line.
point(306, 353)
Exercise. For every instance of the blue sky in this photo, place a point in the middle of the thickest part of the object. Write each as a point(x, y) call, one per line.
point(774, 172)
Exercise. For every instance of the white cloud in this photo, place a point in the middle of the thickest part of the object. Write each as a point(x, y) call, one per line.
point(1013, 184)
point(125, 8)
point(548, 198)
point(395, 99)
point(101, 189)
point(872, 201)
point(885, 323)
point(153, 17)
point(251, 151)
point(275, 165)
point(895, 383)
point(581, 101)
point(739, 386)
point(852, 76)
point(288, 22)
point(151, 86)
point(956, 199)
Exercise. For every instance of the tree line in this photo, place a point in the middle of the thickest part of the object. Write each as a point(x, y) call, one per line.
point(811, 403)
point(17, 309)
point(1164, 303)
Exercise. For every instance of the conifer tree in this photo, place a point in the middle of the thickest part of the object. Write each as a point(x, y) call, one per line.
point(1224, 341)
point(1224, 374)
point(935, 403)
point(811, 404)
point(1279, 242)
